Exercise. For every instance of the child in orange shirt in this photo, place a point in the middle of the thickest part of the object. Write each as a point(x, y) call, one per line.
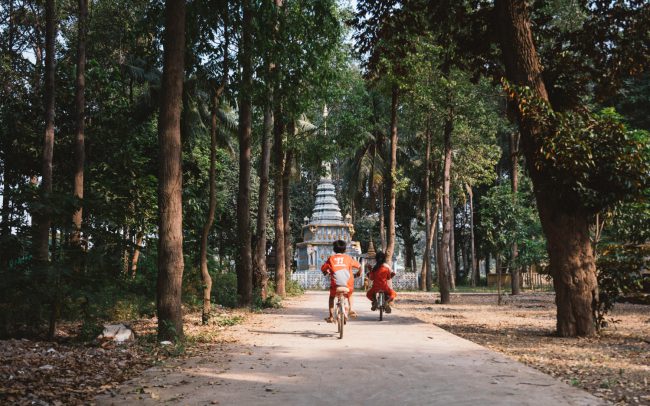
point(339, 266)
point(379, 276)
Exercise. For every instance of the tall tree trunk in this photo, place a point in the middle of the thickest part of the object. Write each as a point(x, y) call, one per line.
point(170, 179)
point(514, 182)
point(212, 207)
point(452, 244)
point(382, 218)
point(566, 227)
point(259, 260)
point(79, 146)
point(278, 224)
point(392, 191)
point(444, 269)
point(286, 207)
point(474, 262)
point(43, 217)
point(139, 238)
point(245, 259)
point(426, 259)
point(433, 243)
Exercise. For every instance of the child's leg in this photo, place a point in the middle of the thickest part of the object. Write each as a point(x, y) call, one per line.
point(351, 312)
point(331, 306)
point(391, 295)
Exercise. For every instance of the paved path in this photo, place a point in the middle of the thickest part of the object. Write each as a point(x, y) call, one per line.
point(294, 358)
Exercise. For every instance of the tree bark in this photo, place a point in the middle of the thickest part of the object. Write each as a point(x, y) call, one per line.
point(433, 243)
point(453, 269)
point(566, 227)
point(514, 182)
point(212, 207)
point(382, 218)
point(80, 104)
point(392, 191)
point(79, 146)
point(278, 225)
point(43, 219)
point(474, 262)
point(245, 259)
point(444, 268)
point(286, 207)
point(170, 180)
point(426, 260)
point(136, 253)
point(259, 261)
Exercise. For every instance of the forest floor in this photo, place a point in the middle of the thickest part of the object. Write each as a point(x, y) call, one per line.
point(70, 371)
point(614, 365)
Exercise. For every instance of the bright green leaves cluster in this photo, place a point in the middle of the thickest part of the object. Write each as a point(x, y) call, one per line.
point(594, 160)
point(508, 218)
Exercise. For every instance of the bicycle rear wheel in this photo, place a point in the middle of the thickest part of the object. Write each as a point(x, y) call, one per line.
point(341, 319)
point(381, 306)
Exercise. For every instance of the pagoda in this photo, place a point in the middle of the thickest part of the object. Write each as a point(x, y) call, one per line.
point(325, 226)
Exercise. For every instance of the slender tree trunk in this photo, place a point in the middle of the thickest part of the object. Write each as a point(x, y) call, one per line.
point(452, 245)
point(43, 218)
point(392, 190)
point(5, 229)
point(382, 218)
point(139, 238)
point(472, 245)
point(433, 244)
point(245, 260)
point(278, 155)
point(426, 260)
point(445, 270)
point(212, 207)
point(79, 146)
point(286, 206)
point(498, 266)
point(170, 181)
point(259, 262)
point(514, 181)
point(566, 227)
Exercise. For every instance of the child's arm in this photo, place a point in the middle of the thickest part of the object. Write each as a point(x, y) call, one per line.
point(326, 268)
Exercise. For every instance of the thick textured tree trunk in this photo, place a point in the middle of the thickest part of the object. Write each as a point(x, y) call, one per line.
point(278, 224)
point(136, 253)
point(245, 259)
point(514, 181)
point(286, 206)
point(212, 207)
point(79, 145)
point(444, 269)
point(474, 262)
point(566, 228)
point(259, 260)
point(392, 191)
point(170, 180)
point(42, 219)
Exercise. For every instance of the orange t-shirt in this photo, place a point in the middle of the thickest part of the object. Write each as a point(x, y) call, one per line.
point(339, 266)
point(380, 277)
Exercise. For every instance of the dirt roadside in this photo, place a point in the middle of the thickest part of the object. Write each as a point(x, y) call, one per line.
point(614, 365)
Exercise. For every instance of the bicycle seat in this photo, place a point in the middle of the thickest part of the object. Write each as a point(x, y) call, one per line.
point(342, 289)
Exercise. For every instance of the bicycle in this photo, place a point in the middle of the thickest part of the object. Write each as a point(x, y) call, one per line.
point(382, 305)
point(341, 310)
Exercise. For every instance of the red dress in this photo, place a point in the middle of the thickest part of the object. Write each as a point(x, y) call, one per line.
point(379, 280)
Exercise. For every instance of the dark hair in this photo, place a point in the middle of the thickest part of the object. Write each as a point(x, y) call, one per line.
point(380, 257)
point(339, 246)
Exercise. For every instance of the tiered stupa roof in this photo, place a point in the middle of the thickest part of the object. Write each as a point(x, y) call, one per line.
point(326, 208)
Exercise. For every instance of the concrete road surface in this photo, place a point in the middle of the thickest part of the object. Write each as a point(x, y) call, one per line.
point(293, 357)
